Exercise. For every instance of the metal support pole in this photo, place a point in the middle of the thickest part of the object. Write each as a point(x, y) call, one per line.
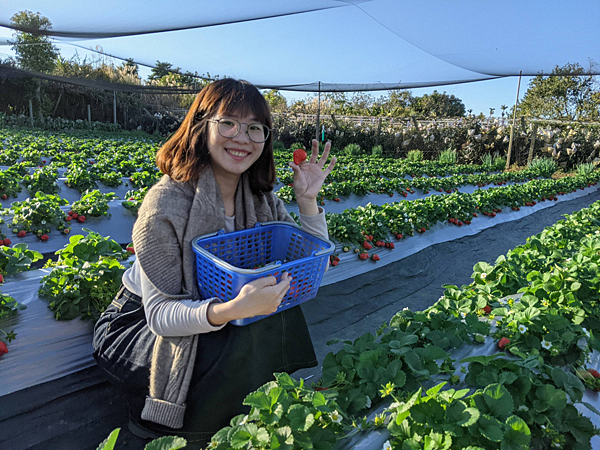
point(115, 107)
point(89, 108)
point(31, 111)
point(512, 129)
point(318, 114)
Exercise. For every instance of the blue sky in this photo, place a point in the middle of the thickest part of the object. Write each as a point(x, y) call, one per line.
point(379, 42)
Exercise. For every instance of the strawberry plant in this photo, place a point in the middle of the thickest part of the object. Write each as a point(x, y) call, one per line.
point(80, 177)
point(284, 414)
point(42, 180)
point(134, 199)
point(85, 278)
point(145, 178)
point(111, 179)
point(38, 214)
point(9, 184)
point(93, 203)
point(17, 259)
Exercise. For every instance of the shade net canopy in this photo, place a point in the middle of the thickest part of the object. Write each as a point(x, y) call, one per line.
point(332, 45)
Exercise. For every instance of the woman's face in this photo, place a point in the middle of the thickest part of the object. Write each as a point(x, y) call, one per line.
point(232, 156)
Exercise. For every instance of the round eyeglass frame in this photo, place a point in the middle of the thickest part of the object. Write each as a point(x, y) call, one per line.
point(217, 121)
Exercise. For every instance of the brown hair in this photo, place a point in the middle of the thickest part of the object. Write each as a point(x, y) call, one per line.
point(185, 155)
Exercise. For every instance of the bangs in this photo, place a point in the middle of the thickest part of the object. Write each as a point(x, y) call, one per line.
point(245, 102)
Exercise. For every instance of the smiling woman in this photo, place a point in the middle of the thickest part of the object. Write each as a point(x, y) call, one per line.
point(159, 332)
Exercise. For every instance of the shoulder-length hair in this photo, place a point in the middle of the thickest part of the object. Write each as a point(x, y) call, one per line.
point(185, 155)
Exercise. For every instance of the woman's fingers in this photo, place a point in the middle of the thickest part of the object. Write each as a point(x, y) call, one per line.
point(314, 154)
point(325, 155)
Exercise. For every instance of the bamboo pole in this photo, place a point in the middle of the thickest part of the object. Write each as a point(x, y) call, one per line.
point(512, 129)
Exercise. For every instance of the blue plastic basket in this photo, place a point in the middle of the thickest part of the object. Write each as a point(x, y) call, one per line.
point(225, 262)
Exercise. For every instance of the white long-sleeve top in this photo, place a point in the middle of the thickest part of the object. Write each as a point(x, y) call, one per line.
point(167, 317)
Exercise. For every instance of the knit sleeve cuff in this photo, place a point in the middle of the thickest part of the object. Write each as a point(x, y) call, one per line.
point(163, 412)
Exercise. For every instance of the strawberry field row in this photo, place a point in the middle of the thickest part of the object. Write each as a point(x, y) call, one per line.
point(395, 221)
point(522, 403)
point(361, 185)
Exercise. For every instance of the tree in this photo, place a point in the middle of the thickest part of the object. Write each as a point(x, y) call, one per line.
point(131, 68)
point(34, 52)
point(277, 101)
point(438, 105)
point(161, 69)
point(566, 94)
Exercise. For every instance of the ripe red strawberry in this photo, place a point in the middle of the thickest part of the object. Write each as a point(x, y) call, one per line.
point(367, 245)
point(21, 233)
point(336, 199)
point(375, 257)
point(334, 263)
point(3, 348)
point(594, 373)
point(299, 156)
point(7, 242)
point(487, 309)
point(68, 218)
point(70, 213)
point(1, 242)
point(503, 343)
point(81, 219)
point(363, 256)
point(460, 224)
point(369, 237)
point(130, 250)
point(404, 194)
point(132, 199)
point(4, 196)
point(423, 230)
point(74, 215)
point(336, 258)
point(398, 236)
point(391, 245)
point(1, 278)
point(44, 237)
point(468, 222)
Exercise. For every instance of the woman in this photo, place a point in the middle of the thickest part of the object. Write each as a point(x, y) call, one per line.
point(158, 339)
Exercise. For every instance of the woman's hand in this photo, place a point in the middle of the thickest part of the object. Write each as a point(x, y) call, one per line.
point(257, 298)
point(309, 175)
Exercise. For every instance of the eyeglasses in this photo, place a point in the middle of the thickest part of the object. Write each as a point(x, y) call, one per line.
point(230, 128)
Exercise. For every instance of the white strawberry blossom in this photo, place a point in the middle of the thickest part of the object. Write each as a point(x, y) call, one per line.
point(483, 275)
point(369, 403)
point(387, 446)
point(336, 417)
point(547, 345)
point(587, 333)
point(522, 329)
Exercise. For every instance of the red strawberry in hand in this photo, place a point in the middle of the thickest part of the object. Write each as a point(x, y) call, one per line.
point(3, 348)
point(503, 343)
point(299, 156)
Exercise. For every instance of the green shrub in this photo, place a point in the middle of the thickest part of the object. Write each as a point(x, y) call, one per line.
point(278, 145)
point(377, 151)
point(544, 166)
point(296, 145)
point(499, 163)
point(585, 168)
point(352, 150)
point(448, 157)
point(415, 156)
point(487, 160)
